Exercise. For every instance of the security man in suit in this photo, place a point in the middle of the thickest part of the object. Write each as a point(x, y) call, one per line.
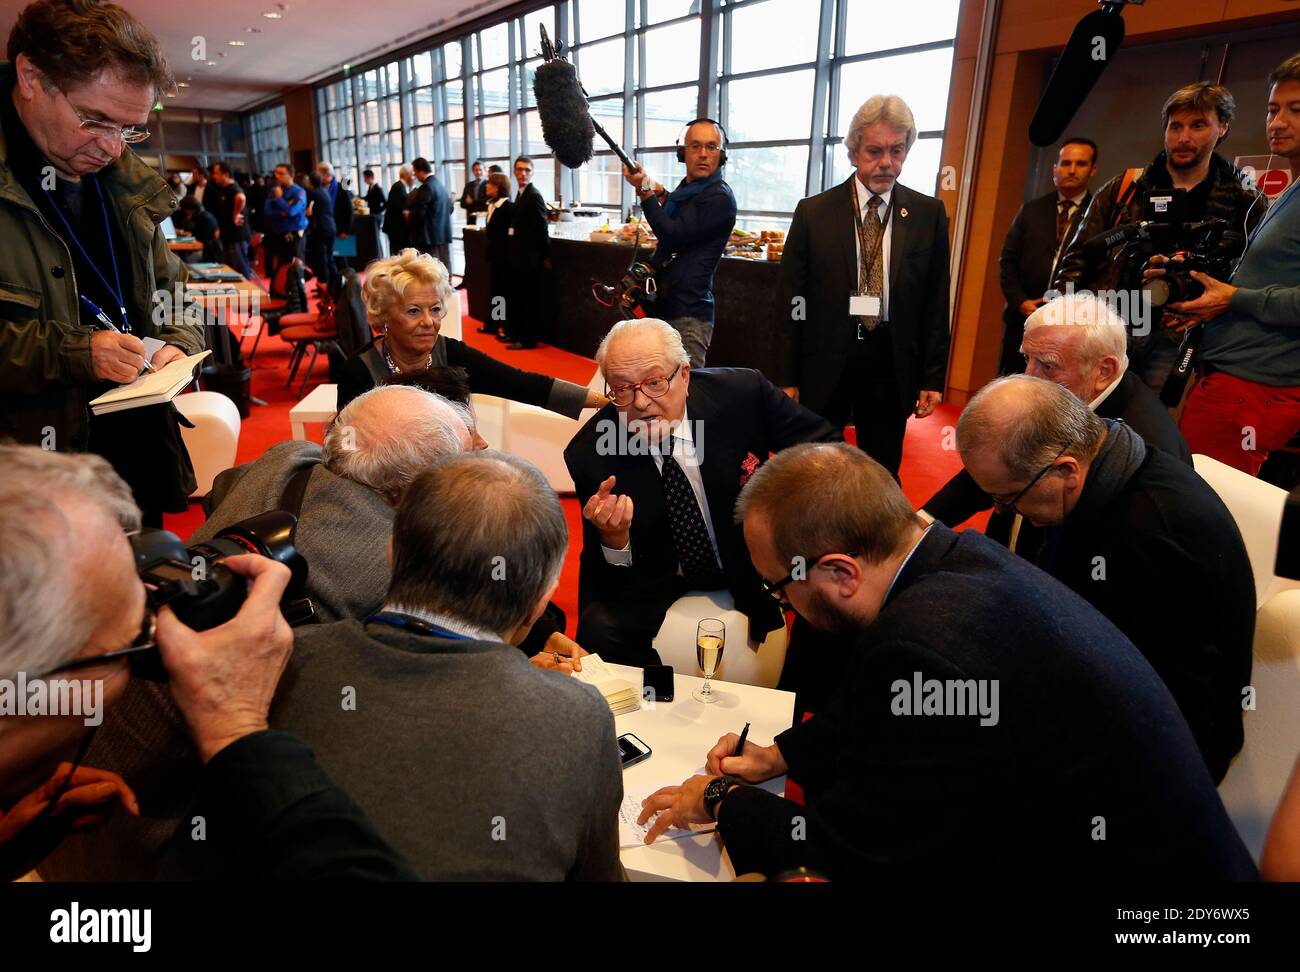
point(865, 284)
point(1038, 235)
point(473, 198)
point(530, 261)
point(658, 472)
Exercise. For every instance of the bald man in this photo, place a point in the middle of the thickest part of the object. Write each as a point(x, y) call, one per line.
point(1132, 530)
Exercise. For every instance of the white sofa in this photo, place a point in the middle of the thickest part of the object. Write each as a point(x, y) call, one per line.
point(215, 437)
point(1258, 775)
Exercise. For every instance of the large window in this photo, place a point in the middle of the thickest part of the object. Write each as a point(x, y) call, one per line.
point(270, 133)
point(783, 82)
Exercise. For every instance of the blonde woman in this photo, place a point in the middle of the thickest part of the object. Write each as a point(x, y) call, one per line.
point(407, 296)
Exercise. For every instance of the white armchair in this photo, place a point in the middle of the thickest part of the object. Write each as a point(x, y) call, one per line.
point(742, 661)
point(1258, 775)
point(213, 441)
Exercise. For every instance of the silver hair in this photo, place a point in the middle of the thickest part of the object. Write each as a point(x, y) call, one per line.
point(1050, 421)
point(674, 351)
point(890, 109)
point(386, 448)
point(406, 172)
point(481, 537)
point(45, 619)
point(324, 167)
point(1104, 331)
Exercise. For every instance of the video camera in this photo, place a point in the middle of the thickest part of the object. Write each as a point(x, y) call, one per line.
point(198, 586)
point(1208, 247)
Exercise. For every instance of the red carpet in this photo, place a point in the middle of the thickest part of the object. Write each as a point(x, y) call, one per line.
point(929, 456)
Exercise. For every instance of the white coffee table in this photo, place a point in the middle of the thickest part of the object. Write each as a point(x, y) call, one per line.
point(319, 406)
point(680, 733)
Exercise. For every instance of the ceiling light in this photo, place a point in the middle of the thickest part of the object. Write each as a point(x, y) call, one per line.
point(252, 30)
point(235, 43)
point(182, 84)
point(210, 63)
point(273, 15)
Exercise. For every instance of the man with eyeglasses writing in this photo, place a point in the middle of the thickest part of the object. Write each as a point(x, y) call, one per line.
point(85, 265)
point(1132, 530)
point(658, 471)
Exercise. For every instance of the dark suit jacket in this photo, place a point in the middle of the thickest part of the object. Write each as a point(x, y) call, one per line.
point(820, 265)
point(530, 243)
point(473, 198)
point(1177, 581)
point(1029, 252)
point(742, 414)
point(394, 222)
point(1133, 402)
point(375, 200)
point(342, 208)
point(498, 236)
point(430, 207)
point(1086, 736)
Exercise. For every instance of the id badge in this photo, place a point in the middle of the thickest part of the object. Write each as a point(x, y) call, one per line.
point(1161, 203)
point(510, 231)
point(864, 305)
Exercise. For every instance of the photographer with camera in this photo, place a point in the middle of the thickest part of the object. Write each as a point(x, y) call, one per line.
point(1187, 183)
point(1246, 402)
point(70, 598)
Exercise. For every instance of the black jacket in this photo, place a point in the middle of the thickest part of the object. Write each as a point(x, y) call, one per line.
point(819, 270)
point(498, 235)
point(1086, 738)
point(530, 243)
point(342, 208)
point(1030, 252)
point(375, 200)
point(473, 198)
point(1133, 402)
point(1227, 197)
point(1174, 576)
point(430, 222)
point(744, 417)
point(271, 813)
point(691, 242)
point(395, 225)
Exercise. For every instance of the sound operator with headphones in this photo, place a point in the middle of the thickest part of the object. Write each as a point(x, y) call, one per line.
point(692, 224)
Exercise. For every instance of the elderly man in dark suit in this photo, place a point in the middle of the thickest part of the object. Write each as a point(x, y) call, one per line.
point(865, 284)
point(1039, 234)
point(530, 261)
point(959, 744)
point(429, 207)
point(1132, 530)
point(1079, 342)
point(396, 226)
point(658, 471)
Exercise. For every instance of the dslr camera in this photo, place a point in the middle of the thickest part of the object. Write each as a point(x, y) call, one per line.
point(1208, 247)
point(198, 586)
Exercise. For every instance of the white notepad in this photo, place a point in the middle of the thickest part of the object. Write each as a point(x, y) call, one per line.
point(151, 388)
point(621, 695)
point(632, 834)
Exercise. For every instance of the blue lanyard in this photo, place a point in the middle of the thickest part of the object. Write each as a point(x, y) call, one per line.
point(416, 625)
point(116, 292)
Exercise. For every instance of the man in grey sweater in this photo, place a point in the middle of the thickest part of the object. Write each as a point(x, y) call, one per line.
point(1247, 402)
point(475, 764)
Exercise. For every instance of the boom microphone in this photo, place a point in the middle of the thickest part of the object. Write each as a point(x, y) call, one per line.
point(1094, 42)
point(567, 125)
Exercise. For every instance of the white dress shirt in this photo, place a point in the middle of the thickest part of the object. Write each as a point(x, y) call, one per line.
point(493, 206)
point(686, 457)
point(863, 196)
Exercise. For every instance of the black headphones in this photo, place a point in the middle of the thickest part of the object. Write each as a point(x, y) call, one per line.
point(681, 150)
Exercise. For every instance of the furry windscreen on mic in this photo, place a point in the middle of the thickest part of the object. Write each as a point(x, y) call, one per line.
point(566, 120)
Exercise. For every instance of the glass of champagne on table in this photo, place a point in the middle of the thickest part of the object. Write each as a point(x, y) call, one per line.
point(710, 638)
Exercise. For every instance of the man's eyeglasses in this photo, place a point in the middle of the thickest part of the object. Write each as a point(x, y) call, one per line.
point(776, 589)
point(710, 147)
point(653, 388)
point(1007, 506)
point(102, 129)
point(144, 641)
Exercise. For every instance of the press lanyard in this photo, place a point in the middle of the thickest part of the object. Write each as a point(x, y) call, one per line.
point(862, 231)
point(416, 625)
point(116, 292)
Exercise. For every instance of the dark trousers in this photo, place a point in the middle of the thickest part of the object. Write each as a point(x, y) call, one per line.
point(499, 302)
point(1012, 362)
point(236, 254)
point(528, 305)
point(320, 257)
point(621, 629)
point(869, 397)
point(282, 248)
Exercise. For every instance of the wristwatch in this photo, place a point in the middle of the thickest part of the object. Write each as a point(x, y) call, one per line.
point(715, 790)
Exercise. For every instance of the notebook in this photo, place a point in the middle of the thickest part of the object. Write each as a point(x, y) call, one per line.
point(632, 834)
point(621, 695)
point(151, 388)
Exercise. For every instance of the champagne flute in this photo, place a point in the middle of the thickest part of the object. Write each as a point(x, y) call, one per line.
point(710, 638)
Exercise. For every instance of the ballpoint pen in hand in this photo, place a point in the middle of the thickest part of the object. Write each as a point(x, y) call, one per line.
point(740, 743)
point(105, 320)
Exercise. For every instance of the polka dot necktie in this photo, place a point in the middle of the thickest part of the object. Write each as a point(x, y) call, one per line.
point(695, 552)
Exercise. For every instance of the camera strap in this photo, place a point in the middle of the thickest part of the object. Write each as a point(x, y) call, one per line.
point(292, 497)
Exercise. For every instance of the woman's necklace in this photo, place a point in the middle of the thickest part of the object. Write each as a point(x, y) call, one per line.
point(392, 365)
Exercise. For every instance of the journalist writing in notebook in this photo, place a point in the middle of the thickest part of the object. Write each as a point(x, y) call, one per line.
point(78, 297)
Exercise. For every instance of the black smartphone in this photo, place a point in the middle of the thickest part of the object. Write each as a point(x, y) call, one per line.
point(632, 750)
point(658, 679)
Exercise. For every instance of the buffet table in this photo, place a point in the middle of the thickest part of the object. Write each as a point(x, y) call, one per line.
point(746, 293)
